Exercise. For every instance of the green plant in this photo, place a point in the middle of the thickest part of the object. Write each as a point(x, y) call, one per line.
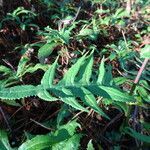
point(25, 67)
point(54, 38)
point(24, 21)
point(75, 83)
point(7, 76)
point(66, 60)
point(64, 137)
point(4, 142)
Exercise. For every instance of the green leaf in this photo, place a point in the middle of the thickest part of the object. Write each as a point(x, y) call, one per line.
point(63, 113)
point(4, 142)
point(143, 93)
point(111, 93)
point(86, 71)
point(46, 141)
point(22, 64)
point(145, 52)
point(2, 146)
point(145, 84)
point(120, 80)
point(101, 11)
point(64, 35)
point(32, 69)
point(123, 106)
point(70, 127)
point(105, 76)
point(85, 32)
point(146, 125)
point(5, 70)
point(120, 13)
point(18, 92)
point(90, 146)
point(46, 50)
point(90, 100)
point(12, 102)
point(37, 143)
point(47, 80)
point(137, 135)
point(70, 100)
point(72, 143)
point(108, 78)
point(45, 95)
point(69, 77)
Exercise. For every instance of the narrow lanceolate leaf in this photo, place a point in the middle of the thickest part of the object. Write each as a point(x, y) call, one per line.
point(70, 100)
point(90, 100)
point(18, 92)
point(48, 78)
point(123, 106)
point(137, 135)
point(38, 66)
point(111, 93)
point(108, 76)
point(22, 64)
point(69, 77)
point(86, 71)
point(46, 50)
point(39, 142)
point(45, 95)
point(102, 72)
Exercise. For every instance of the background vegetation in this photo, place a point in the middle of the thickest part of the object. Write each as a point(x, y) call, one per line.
point(74, 75)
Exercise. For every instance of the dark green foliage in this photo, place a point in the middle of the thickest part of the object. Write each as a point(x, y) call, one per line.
point(66, 60)
point(71, 86)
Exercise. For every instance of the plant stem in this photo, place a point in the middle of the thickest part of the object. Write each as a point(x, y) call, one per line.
point(141, 70)
point(133, 88)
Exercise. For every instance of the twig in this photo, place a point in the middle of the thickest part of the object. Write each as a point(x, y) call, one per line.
point(79, 113)
point(41, 124)
point(141, 70)
point(9, 64)
point(6, 120)
point(112, 121)
point(123, 34)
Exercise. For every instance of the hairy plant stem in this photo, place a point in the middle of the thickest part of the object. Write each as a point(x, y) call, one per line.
point(132, 90)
